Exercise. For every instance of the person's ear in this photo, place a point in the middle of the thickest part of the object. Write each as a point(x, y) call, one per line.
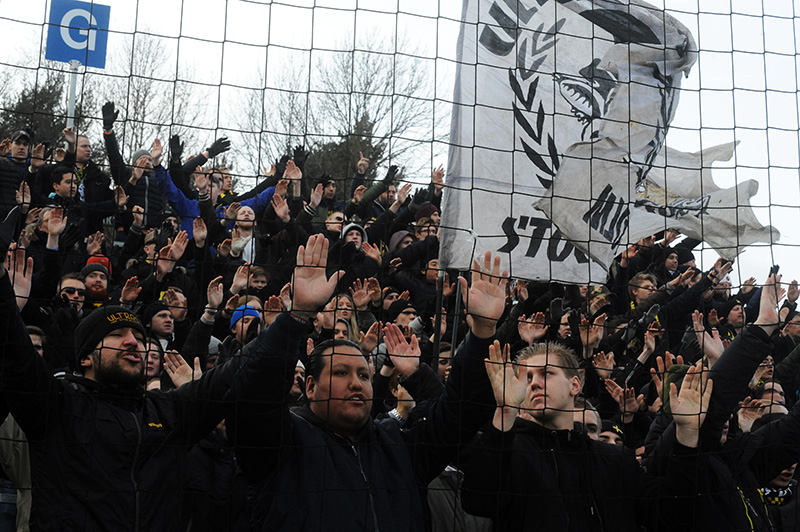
point(311, 387)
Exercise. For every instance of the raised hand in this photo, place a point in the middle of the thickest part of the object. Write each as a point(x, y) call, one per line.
point(437, 177)
point(199, 232)
point(23, 196)
point(532, 329)
point(358, 193)
point(131, 291)
point(214, 293)
point(272, 308)
point(58, 222)
point(110, 115)
point(603, 364)
point(749, 411)
point(772, 292)
point(201, 180)
point(292, 172)
point(374, 291)
point(281, 208)
point(179, 246)
point(179, 371)
point(176, 147)
point(369, 341)
point(156, 151)
point(404, 354)
point(509, 391)
point(37, 157)
point(362, 164)
point(312, 288)
point(360, 295)
point(486, 298)
point(626, 398)
point(286, 296)
point(662, 366)
point(95, 243)
point(316, 196)
point(138, 215)
point(711, 344)
point(793, 293)
point(231, 211)
point(689, 407)
point(240, 278)
point(372, 251)
point(221, 145)
point(21, 274)
point(120, 198)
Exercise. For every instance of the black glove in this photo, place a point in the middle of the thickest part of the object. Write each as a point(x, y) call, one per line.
point(109, 116)
point(390, 174)
point(8, 230)
point(176, 147)
point(300, 156)
point(419, 200)
point(221, 145)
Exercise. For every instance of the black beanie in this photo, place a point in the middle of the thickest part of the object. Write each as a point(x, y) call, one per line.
point(152, 310)
point(99, 323)
point(396, 308)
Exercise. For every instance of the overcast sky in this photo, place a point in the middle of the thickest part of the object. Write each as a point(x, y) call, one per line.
point(743, 87)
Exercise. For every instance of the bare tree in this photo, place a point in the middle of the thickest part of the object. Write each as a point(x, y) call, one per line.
point(377, 100)
point(150, 107)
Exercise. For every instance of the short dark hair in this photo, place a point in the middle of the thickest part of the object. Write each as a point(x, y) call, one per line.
point(316, 360)
point(58, 173)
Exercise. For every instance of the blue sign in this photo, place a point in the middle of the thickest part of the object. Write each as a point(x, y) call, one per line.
point(78, 31)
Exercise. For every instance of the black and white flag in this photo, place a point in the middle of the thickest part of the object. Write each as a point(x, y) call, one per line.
point(558, 156)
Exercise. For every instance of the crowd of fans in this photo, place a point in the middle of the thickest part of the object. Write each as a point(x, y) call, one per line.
point(179, 355)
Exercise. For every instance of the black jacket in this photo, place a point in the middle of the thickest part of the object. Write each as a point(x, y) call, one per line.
point(102, 458)
point(533, 478)
point(309, 478)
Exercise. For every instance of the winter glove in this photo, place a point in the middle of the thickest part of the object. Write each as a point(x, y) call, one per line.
point(390, 175)
point(221, 145)
point(109, 116)
point(176, 148)
point(300, 156)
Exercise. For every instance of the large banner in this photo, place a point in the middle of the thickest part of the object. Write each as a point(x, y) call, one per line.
point(558, 158)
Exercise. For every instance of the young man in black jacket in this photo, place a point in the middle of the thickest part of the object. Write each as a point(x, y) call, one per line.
point(329, 466)
point(532, 471)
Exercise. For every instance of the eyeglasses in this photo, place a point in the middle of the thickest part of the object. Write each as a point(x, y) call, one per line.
point(70, 291)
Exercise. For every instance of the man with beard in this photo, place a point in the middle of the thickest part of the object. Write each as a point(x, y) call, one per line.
point(95, 275)
point(105, 454)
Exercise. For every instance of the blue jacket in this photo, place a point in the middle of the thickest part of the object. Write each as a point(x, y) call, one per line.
point(189, 209)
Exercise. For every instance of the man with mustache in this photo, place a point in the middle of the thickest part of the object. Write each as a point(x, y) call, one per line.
point(105, 454)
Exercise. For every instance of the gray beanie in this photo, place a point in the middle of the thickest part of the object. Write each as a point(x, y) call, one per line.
point(138, 153)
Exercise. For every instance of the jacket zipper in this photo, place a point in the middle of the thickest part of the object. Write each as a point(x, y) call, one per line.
point(146, 200)
point(133, 469)
point(369, 488)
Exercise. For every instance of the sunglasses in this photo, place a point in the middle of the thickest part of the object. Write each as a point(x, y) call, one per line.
point(70, 290)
